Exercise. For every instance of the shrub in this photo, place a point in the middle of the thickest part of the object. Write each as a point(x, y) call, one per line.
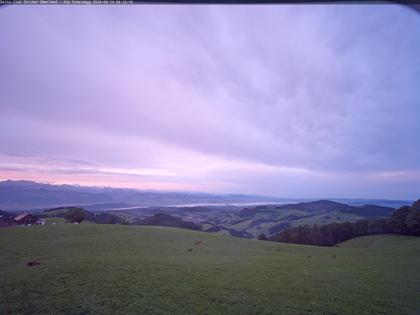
point(75, 215)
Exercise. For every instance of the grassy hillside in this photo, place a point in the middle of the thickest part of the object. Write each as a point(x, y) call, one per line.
point(272, 219)
point(111, 269)
point(56, 212)
point(383, 242)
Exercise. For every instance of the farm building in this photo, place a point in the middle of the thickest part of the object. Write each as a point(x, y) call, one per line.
point(28, 219)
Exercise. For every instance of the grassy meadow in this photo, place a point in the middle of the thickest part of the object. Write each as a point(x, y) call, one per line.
point(111, 269)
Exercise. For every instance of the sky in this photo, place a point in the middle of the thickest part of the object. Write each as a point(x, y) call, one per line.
point(278, 100)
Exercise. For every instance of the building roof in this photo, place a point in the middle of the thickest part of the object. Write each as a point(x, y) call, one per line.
point(21, 216)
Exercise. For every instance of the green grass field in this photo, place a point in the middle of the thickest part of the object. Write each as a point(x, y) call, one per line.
point(110, 269)
point(384, 242)
point(53, 220)
point(331, 217)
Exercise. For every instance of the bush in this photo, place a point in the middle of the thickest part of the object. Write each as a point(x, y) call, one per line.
point(262, 237)
point(75, 215)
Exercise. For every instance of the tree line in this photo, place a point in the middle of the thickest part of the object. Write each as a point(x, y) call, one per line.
point(405, 220)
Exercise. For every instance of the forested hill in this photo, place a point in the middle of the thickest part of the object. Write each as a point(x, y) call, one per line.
point(405, 220)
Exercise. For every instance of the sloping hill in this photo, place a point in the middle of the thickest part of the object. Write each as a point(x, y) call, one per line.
point(271, 219)
point(383, 241)
point(162, 219)
point(317, 206)
point(112, 269)
point(371, 211)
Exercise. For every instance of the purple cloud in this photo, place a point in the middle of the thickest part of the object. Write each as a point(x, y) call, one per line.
point(281, 100)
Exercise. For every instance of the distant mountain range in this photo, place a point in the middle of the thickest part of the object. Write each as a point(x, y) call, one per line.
point(30, 195)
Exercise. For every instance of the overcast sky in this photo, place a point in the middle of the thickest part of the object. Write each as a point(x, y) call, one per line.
point(289, 101)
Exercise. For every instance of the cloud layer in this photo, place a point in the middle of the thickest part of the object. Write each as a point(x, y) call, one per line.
point(293, 101)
